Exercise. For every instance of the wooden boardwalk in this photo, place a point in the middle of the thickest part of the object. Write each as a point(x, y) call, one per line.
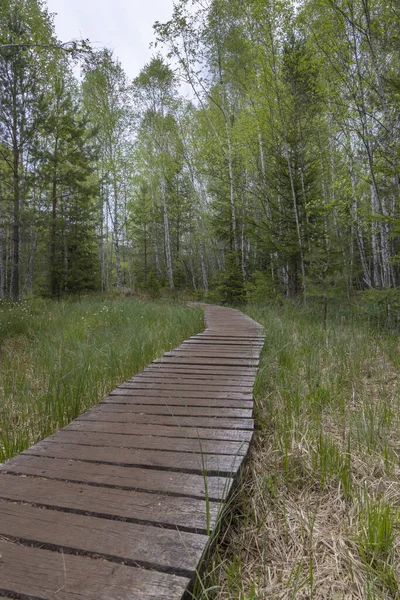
point(113, 507)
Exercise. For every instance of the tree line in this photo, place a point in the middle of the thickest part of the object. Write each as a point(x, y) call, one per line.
point(279, 176)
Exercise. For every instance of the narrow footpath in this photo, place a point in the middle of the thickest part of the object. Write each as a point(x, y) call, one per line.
point(119, 504)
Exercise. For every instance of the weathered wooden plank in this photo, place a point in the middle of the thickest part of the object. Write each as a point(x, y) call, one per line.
point(40, 574)
point(220, 362)
point(215, 339)
point(80, 433)
point(232, 355)
point(176, 420)
point(156, 548)
point(113, 423)
point(247, 376)
point(162, 400)
point(235, 333)
point(133, 478)
point(180, 409)
point(184, 376)
point(184, 513)
point(164, 384)
point(213, 357)
point(212, 464)
point(222, 346)
point(224, 370)
point(178, 392)
point(208, 381)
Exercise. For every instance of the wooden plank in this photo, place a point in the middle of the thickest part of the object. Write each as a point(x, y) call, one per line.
point(156, 548)
point(212, 464)
point(201, 371)
point(225, 370)
point(179, 392)
point(208, 352)
point(41, 574)
point(232, 357)
point(219, 362)
point(180, 409)
point(182, 376)
point(159, 400)
point(109, 422)
point(133, 478)
point(80, 433)
point(225, 334)
point(209, 382)
point(164, 384)
point(184, 513)
point(174, 421)
point(213, 357)
point(223, 342)
point(259, 337)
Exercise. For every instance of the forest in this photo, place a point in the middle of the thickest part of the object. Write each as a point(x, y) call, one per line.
point(275, 176)
point(253, 162)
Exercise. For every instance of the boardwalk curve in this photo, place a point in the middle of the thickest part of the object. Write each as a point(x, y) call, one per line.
point(118, 505)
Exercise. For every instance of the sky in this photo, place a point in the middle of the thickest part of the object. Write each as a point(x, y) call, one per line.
point(126, 26)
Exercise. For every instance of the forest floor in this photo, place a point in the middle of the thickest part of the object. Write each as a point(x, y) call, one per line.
point(57, 359)
point(317, 512)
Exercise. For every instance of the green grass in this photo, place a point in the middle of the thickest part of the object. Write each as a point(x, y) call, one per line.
point(57, 359)
point(317, 515)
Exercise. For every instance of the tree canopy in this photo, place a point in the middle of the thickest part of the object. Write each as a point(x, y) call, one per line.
point(278, 177)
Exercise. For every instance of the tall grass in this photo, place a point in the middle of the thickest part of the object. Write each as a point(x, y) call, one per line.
point(318, 512)
point(58, 359)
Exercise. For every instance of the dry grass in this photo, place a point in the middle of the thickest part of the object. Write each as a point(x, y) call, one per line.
point(317, 514)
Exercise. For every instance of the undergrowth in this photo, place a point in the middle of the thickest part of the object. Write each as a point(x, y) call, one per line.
point(57, 359)
point(317, 513)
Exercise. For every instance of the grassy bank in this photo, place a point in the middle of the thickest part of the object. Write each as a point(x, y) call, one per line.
point(317, 515)
point(58, 359)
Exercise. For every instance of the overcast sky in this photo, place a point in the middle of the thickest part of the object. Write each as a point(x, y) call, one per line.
point(123, 25)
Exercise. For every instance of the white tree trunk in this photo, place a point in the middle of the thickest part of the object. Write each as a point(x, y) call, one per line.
point(32, 250)
point(2, 269)
point(203, 265)
point(157, 253)
point(264, 177)
point(168, 256)
point(374, 242)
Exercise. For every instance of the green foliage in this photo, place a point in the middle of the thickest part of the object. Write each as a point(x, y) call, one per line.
point(382, 307)
point(376, 541)
point(231, 288)
point(260, 289)
point(153, 285)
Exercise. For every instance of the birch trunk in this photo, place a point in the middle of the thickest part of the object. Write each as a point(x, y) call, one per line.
point(203, 265)
point(296, 215)
point(2, 266)
point(157, 253)
point(231, 189)
point(168, 256)
point(16, 221)
point(32, 251)
point(374, 242)
point(264, 177)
